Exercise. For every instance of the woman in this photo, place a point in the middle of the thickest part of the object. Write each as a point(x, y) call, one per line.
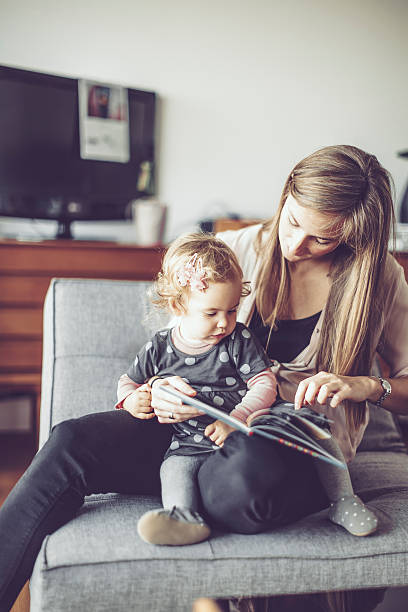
point(326, 250)
point(327, 297)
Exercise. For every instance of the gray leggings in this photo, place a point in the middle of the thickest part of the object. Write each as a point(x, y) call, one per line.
point(178, 474)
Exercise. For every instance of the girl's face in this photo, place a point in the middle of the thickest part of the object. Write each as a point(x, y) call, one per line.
point(305, 233)
point(211, 315)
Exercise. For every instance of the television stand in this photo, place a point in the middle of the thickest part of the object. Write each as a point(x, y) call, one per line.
point(64, 230)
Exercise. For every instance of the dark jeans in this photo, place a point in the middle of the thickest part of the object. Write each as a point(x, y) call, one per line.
point(249, 485)
point(98, 453)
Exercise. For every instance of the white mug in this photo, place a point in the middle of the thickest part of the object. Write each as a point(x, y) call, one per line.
point(149, 217)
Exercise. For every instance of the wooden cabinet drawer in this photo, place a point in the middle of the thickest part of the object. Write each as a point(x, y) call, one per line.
point(70, 259)
point(21, 322)
point(23, 289)
point(20, 356)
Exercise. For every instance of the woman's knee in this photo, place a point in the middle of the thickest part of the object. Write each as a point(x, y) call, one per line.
point(65, 430)
point(239, 486)
point(72, 434)
point(237, 504)
point(63, 436)
point(92, 430)
point(82, 439)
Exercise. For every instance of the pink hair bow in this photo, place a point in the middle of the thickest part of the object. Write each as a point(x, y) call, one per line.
point(192, 274)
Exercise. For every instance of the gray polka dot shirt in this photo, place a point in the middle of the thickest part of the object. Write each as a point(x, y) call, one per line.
point(219, 376)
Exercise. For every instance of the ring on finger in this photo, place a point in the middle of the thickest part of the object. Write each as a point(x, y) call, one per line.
point(171, 416)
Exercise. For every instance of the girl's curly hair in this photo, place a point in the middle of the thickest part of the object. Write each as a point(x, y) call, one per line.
point(218, 260)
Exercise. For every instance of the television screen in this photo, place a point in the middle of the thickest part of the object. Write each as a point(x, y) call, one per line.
point(42, 172)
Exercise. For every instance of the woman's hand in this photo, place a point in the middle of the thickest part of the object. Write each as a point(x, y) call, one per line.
point(333, 389)
point(138, 403)
point(218, 432)
point(169, 409)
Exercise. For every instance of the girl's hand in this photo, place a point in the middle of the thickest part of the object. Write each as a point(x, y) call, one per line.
point(333, 389)
point(169, 409)
point(138, 403)
point(218, 432)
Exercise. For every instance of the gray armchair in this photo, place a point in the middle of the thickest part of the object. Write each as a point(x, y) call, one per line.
point(97, 561)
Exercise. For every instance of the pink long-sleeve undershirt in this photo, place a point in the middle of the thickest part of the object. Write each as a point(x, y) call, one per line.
point(260, 396)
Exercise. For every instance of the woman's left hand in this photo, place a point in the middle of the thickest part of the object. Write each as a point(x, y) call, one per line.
point(333, 389)
point(169, 409)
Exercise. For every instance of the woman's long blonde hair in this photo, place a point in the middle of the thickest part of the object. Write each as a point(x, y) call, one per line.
point(347, 182)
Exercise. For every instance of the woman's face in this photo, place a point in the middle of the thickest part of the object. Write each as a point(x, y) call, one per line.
point(305, 233)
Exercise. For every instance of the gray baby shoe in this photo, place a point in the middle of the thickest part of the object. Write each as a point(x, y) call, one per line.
point(351, 513)
point(175, 527)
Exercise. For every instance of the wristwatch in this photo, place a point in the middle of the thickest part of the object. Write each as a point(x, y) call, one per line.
point(386, 391)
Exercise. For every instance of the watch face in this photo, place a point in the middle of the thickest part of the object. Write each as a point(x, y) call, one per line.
point(386, 386)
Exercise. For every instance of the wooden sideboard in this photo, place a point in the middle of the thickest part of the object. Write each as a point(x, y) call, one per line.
point(26, 269)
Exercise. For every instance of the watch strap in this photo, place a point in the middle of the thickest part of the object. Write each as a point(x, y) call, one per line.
point(386, 391)
point(152, 380)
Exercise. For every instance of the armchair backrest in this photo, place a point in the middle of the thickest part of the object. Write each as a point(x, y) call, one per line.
point(92, 330)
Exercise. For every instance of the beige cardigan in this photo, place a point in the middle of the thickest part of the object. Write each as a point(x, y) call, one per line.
point(391, 338)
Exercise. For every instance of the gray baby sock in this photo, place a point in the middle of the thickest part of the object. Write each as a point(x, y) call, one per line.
point(346, 508)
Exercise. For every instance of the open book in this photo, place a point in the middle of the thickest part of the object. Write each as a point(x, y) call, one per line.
point(296, 429)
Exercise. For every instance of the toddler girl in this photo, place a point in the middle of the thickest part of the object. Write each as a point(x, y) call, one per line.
point(201, 283)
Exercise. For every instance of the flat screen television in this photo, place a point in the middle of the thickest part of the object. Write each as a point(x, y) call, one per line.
point(43, 172)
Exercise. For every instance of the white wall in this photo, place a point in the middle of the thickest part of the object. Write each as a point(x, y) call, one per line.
point(247, 88)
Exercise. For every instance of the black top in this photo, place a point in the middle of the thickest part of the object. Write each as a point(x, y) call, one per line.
point(288, 339)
